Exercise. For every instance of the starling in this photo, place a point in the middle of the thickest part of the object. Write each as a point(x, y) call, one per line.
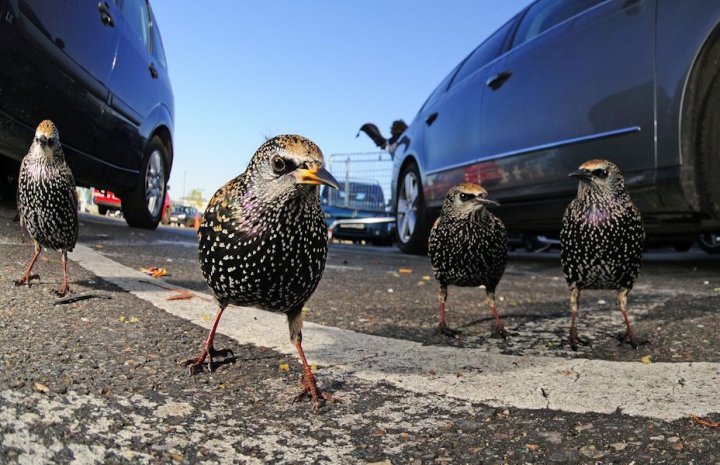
point(468, 247)
point(264, 242)
point(47, 200)
point(602, 240)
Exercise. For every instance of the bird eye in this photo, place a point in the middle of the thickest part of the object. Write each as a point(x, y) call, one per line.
point(278, 164)
point(51, 141)
point(600, 173)
point(465, 197)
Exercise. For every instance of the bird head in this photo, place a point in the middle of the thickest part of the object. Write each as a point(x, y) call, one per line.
point(466, 198)
point(47, 137)
point(600, 176)
point(286, 163)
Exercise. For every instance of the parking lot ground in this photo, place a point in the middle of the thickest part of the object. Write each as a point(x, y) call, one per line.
point(98, 381)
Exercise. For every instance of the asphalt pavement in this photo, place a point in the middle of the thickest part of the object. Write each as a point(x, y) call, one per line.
point(98, 380)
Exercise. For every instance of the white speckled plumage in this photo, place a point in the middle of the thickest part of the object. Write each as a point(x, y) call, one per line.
point(468, 247)
point(47, 199)
point(263, 238)
point(602, 238)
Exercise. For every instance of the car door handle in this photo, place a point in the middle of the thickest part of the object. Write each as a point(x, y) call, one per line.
point(431, 119)
point(498, 80)
point(105, 17)
point(153, 71)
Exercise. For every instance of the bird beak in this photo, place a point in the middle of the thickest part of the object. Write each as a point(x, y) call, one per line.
point(315, 175)
point(484, 201)
point(583, 175)
point(43, 139)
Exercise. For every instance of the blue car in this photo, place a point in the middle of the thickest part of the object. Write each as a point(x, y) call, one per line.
point(562, 82)
point(98, 71)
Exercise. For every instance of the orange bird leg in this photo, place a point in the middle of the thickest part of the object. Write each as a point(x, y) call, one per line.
point(308, 381)
point(27, 277)
point(209, 351)
point(442, 296)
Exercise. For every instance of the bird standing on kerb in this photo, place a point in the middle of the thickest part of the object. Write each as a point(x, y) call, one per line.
point(47, 200)
point(602, 240)
point(468, 247)
point(264, 242)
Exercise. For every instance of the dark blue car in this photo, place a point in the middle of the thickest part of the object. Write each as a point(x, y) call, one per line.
point(98, 70)
point(562, 82)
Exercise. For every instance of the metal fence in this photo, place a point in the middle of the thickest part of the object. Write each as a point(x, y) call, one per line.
point(364, 180)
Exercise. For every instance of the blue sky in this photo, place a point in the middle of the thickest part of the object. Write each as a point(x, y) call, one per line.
point(244, 70)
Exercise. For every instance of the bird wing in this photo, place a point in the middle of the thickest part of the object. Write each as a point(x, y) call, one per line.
point(374, 133)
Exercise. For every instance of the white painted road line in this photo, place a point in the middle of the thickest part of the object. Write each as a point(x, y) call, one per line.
point(666, 391)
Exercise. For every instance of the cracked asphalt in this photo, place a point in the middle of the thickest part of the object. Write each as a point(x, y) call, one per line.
point(97, 381)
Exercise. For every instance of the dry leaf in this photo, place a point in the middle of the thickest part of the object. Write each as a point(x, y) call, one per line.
point(133, 319)
point(122, 319)
point(532, 447)
point(181, 294)
point(99, 246)
point(710, 424)
point(405, 270)
point(284, 367)
point(41, 387)
point(645, 360)
point(432, 372)
point(206, 317)
point(426, 278)
point(154, 271)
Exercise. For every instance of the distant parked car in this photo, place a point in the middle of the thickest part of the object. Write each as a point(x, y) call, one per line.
point(106, 202)
point(98, 70)
point(182, 215)
point(563, 82)
point(353, 204)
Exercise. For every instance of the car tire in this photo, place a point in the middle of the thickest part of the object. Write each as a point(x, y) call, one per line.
point(413, 228)
point(143, 205)
point(710, 243)
point(709, 146)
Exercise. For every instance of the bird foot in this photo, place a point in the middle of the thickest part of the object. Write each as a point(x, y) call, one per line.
point(196, 364)
point(449, 332)
point(311, 390)
point(629, 339)
point(26, 279)
point(575, 340)
point(62, 292)
point(501, 332)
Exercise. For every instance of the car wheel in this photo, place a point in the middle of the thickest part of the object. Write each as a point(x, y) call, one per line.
point(710, 243)
point(143, 205)
point(709, 146)
point(413, 228)
point(102, 210)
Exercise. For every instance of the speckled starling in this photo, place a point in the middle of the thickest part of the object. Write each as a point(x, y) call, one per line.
point(47, 200)
point(602, 240)
point(468, 247)
point(263, 240)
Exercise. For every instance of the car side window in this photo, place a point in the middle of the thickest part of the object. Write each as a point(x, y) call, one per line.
point(157, 46)
point(546, 14)
point(137, 16)
point(484, 54)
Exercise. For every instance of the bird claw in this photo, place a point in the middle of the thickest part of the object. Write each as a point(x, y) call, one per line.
point(630, 340)
point(311, 390)
point(449, 332)
point(26, 279)
point(575, 340)
point(62, 292)
point(501, 332)
point(196, 364)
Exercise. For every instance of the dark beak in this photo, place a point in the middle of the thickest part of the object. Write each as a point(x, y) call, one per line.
point(486, 201)
point(315, 175)
point(582, 175)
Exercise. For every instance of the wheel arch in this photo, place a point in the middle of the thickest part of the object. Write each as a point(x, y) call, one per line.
point(703, 74)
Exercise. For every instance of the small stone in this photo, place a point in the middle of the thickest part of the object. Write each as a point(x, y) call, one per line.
point(619, 446)
point(591, 452)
